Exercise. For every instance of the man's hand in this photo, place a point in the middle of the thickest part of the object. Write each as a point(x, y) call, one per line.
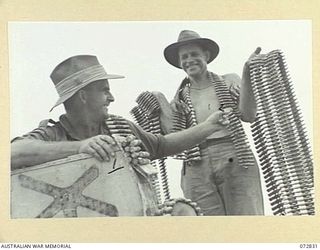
point(220, 117)
point(133, 151)
point(246, 68)
point(101, 147)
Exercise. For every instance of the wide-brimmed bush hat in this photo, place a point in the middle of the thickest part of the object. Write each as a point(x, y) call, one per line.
point(187, 37)
point(75, 73)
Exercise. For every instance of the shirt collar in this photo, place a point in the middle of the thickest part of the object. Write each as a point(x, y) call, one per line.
point(65, 123)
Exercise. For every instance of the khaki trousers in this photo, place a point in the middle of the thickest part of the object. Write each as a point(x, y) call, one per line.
point(219, 185)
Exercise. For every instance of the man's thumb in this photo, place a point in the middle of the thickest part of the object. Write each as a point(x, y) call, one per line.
point(258, 50)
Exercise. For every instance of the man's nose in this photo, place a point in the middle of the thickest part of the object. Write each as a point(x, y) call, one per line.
point(110, 98)
point(189, 59)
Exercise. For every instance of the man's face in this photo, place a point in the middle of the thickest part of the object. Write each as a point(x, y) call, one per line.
point(99, 98)
point(193, 59)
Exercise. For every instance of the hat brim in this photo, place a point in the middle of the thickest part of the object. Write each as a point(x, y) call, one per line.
point(171, 52)
point(69, 95)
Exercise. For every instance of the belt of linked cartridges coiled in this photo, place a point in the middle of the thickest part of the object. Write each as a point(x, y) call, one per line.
point(146, 114)
point(239, 139)
point(179, 123)
point(280, 138)
point(192, 154)
point(186, 119)
point(238, 136)
point(118, 126)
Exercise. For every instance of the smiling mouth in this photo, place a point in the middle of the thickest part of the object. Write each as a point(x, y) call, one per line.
point(191, 66)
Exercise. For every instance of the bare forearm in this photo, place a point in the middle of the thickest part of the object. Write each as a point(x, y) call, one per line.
point(179, 141)
point(32, 152)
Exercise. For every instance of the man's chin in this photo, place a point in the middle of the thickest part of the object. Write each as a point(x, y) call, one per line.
point(105, 111)
point(193, 73)
point(106, 115)
point(193, 70)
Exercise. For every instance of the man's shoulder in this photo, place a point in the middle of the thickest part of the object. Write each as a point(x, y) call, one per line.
point(47, 123)
point(47, 130)
point(50, 130)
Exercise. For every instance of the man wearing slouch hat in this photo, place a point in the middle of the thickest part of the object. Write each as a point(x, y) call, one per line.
point(83, 88)
point(221, 173)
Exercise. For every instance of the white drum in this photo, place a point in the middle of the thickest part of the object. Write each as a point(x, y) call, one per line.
point(81, 186)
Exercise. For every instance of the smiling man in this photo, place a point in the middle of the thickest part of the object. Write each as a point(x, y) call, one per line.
point(83, 88)
point(221, 173)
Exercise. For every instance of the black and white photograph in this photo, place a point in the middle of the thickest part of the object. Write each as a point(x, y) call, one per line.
point(161, 118)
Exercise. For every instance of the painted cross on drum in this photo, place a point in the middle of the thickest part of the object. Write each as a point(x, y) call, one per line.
point(69, 198)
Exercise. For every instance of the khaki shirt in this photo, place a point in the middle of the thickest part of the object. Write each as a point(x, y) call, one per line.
point(50, 130)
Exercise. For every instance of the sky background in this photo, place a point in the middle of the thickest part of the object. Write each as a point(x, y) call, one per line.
point(135, 50)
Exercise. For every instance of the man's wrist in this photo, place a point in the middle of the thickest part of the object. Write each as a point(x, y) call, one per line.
point(209, 126)
point(75, 147)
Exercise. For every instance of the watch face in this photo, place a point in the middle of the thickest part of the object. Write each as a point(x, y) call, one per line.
point(80, 186)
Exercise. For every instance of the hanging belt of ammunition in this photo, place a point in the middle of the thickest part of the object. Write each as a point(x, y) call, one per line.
point(280, 138)
point(146, 114)
point(238, 135)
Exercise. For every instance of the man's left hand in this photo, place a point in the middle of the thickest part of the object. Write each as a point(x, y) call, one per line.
point(254, 55)
point(134, 152)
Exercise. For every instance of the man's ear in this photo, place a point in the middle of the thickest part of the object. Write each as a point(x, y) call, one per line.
point(82, 94)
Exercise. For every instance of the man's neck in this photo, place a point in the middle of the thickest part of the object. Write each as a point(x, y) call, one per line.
point(200, 81)
point(82, 126)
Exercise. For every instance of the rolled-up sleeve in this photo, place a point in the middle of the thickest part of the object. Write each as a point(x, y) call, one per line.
point(43, 133)
point(153, 143)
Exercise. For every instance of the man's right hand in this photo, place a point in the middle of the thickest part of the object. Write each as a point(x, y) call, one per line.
point(101, 147)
